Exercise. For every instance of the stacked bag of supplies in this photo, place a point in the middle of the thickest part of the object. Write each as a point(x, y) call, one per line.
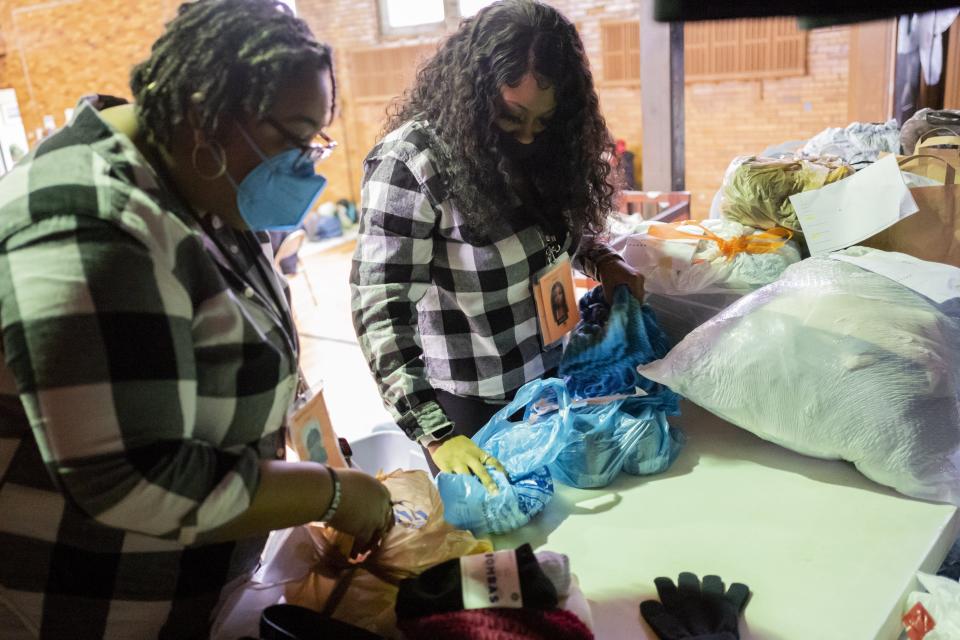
point(600, 419)
point(837, 361)
point(692, 270)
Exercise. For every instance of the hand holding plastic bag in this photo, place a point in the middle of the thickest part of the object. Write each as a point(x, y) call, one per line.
point(525, 448)
point(364, 593)
point(630, 434)
point(461, 455)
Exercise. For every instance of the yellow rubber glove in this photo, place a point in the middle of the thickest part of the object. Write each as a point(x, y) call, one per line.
point(460, 454)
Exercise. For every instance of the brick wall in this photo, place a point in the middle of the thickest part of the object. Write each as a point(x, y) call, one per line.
point(727, 119)
point(58, 50)
point(347, 25)
point(722, 119)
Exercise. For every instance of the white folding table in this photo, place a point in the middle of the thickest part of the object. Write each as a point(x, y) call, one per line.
point(827, 553)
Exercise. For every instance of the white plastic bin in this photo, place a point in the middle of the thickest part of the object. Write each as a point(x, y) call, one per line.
point(387, 451)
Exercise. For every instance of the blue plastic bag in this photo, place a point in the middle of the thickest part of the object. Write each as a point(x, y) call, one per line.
point(628, 435)
point(603, 352)
point(467, 505)
point(525, 449)
point(601, 359)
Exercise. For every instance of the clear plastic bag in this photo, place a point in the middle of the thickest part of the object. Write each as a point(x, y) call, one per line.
point(941, 600)
point(709, 256)
point(836, 362)
point(859, 143)
point(679, 315)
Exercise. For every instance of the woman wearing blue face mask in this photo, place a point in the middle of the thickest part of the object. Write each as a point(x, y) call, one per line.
point(493, 174)
point(149, 355)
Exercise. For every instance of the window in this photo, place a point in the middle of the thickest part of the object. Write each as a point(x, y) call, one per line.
point(470, 7)
point(412, 13)
point(744, 49)
point(410, 17)
point(620, 53)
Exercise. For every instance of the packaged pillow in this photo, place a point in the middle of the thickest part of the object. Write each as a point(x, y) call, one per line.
point(708, 256)
point(836, 362)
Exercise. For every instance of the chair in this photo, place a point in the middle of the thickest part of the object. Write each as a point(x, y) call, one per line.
point(387, 450)
point(661, 206)
point(290, 246)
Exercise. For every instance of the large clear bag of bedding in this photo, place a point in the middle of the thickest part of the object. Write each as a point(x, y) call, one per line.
point(837, 362)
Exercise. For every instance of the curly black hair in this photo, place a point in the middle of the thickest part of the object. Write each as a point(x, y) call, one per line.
point(222, 59)
point(458, 93)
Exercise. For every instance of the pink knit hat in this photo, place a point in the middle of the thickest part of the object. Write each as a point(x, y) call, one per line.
point(497, 624)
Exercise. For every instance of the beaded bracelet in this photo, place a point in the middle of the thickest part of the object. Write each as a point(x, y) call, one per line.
point(335, 502)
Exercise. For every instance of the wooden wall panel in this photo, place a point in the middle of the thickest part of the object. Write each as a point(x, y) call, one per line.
point(620, 53)
point(378, 75)
point(872, 59)
point(744, 49)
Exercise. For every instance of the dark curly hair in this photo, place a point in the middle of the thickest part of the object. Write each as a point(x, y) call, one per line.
point(458, 93)
point(222, 58)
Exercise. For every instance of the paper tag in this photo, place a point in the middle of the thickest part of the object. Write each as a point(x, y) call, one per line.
point(939, 282)
point(851, 210)
point(491, 580)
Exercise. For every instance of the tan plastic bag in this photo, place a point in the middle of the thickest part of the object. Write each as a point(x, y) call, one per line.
point(933, 233)
point(364, 593)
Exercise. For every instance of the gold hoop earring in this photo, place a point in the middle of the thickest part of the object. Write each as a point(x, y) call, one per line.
point(216, 152)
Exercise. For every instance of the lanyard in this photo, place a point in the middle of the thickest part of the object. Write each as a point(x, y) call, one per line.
point(274, 307)
point(550, 246)
point(269, 300)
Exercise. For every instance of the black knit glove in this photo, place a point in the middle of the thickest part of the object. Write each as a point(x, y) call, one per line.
point(688, 612)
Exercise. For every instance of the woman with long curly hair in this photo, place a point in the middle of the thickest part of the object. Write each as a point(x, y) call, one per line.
point(494, 169)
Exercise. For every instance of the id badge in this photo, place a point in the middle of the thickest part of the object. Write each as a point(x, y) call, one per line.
point(310, 433)
point(556, 300)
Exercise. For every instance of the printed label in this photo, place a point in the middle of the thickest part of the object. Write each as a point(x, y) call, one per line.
point(491, 580)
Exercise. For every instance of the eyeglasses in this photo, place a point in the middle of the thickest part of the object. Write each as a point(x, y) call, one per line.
point(316, 150)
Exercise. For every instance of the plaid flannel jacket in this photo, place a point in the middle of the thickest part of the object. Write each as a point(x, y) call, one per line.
point(145, 373)
point(434, 307)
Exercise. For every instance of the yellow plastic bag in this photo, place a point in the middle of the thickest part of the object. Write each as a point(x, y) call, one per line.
point(364, 593)
point(756, 191)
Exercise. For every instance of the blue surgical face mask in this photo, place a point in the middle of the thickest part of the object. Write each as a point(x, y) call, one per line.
point(279, 192)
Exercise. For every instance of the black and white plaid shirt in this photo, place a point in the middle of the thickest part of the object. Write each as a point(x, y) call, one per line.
point(145, 374)
point(433, 307)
